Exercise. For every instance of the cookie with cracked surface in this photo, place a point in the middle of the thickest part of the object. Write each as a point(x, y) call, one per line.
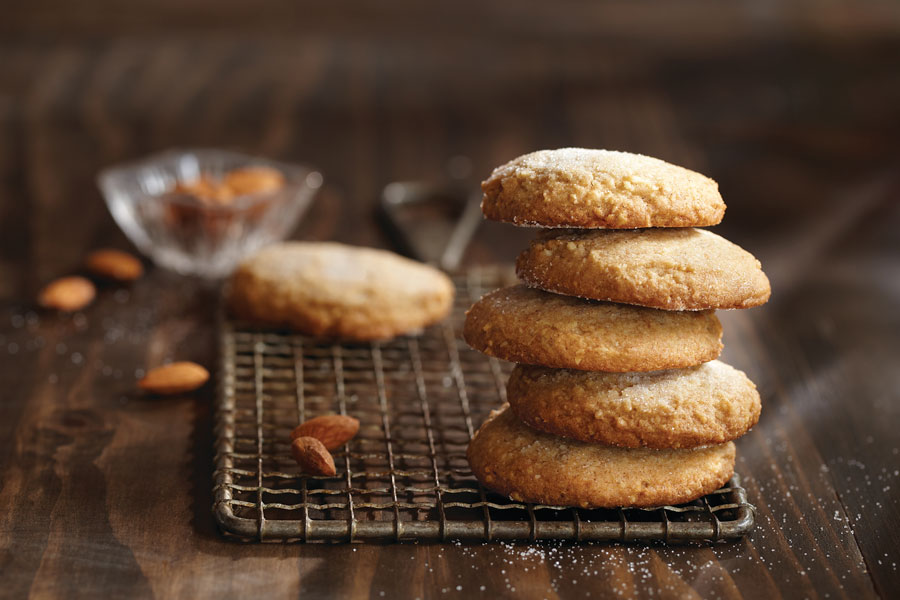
point(336, 291)
point(527, 465)
point(678, 408)
point(579, 187)
point(526, 325)
point(671, 269)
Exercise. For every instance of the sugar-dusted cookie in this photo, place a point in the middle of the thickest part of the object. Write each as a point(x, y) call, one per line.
point(525, 325)
point(530, 466)
point(332, 290)
point(576, 187)
point(672, 269)
point(677, 408)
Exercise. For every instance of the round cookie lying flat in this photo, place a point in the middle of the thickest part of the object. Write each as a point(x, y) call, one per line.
point(678, 408)
point(577, 187)
point(672, 269)
point(525, 325)
point(529, 466)
point(332, 290)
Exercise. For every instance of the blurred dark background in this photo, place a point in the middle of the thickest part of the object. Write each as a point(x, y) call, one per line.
point(786, 104)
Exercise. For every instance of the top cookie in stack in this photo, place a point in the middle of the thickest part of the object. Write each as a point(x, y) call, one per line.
point(576, 187)
point(617, 399)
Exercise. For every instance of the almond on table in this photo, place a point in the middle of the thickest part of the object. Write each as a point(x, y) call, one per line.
point(174, 378)
point(313, 457)
point(67, 294)
point(332, 430)
point(114, 264)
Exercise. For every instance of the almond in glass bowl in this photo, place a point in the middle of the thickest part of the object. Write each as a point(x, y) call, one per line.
point(199, 212)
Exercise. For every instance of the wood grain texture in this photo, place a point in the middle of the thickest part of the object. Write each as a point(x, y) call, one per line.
point(792, 108)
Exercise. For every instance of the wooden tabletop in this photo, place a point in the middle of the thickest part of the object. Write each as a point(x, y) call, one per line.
point(792, 107)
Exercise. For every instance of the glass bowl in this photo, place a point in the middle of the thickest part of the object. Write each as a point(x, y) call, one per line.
point(153, 202)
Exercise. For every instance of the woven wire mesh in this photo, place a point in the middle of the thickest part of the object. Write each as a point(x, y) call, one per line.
point(405, 475)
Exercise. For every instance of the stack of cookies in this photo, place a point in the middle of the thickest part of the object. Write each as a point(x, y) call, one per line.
point(617, 398)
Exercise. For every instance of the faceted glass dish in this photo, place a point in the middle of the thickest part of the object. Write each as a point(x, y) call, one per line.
point(195, 237)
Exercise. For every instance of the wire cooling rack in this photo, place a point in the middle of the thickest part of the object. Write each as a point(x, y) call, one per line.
point(405, 476)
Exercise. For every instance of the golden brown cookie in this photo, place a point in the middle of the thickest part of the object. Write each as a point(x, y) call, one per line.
point(576, 187)
point(525, 325)
point(672, 269)
point(529, 466)
point(332, 290)
point(678, 408)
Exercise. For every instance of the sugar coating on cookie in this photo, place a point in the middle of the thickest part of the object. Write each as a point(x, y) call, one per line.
point(578, 187)
point(677, 408)
point(672, 269)
point(526, 325)
point(530, 466)
point(332, 290)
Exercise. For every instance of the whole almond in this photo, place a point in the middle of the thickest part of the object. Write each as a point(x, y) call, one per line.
point(174, 378)
point(67, 294)
point(332, 430)
point(114, 264)
point(312, 456)
point(254, 180)
point(205, 189)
